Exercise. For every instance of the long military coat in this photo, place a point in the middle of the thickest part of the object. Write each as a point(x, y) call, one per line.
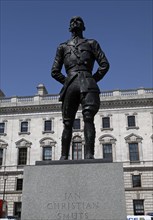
point(78, 59)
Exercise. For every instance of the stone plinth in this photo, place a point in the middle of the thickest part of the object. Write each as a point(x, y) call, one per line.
point(74, 191)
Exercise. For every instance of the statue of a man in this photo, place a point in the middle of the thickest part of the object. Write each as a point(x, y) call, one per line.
point(80, 85)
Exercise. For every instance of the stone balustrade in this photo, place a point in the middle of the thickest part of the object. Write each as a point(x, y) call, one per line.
point(51, 98)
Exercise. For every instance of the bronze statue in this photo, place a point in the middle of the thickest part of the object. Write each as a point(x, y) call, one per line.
point(79, 86)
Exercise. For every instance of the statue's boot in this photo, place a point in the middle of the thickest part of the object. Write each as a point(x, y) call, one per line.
point(63, 158)
point(65, 151)
point(89, 151)
point(66, 140)
point(89, 134)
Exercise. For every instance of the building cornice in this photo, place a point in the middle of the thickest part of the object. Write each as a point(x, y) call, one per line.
point(110, 104)
point(12, 173)
point(50, 103)
point(139, 189)
point(30, 109)
point(126, 103)
point(140, 168)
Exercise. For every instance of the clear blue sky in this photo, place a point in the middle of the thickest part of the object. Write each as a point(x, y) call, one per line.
point(31, 30)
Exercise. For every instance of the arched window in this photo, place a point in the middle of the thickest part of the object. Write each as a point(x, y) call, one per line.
point(107, 151)
point(108, 147)
point(48, 152)
point(23, 152)
point(77, 148)
point(134, 143)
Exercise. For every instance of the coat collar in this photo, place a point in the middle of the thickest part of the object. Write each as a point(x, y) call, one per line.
point(80, 41)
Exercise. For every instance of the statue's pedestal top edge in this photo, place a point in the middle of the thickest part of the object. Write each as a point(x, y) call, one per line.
point(64, 162)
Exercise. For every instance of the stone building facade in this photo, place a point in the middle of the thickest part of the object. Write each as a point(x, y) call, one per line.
point(31, 127)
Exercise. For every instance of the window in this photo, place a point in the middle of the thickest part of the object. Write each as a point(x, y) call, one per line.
point(136, 180)
point(138, 206)
point(133, 152)
point(76, 124)
point(131, 121)
point(2, 127)
point(19, 184)
point(47, 153)
point(77, 149)
point(17, 209)
point(134, 147)
point(1, 156)
point(22, 156)
point(47, 148)
point(47, 125)
point(24, 126)
point(108, 147)
point(23, 147)
point(106, 122)
point(107, 151)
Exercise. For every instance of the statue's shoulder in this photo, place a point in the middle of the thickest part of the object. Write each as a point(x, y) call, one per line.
point(61, 47)
point(93, 44)
point(92, 41)
point(62, 44)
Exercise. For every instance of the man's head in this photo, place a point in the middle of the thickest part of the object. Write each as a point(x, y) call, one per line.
point(76, 23)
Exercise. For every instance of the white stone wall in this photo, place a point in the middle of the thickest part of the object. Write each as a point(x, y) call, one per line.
point(118, 132)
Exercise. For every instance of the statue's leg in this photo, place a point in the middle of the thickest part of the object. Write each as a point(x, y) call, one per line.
point(66, 139)
point(89, 134)
point(90, 106)
point(69, 109)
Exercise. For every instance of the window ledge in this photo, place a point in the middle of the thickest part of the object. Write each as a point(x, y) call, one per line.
point(106, 129)
point(77, 130)
point(3, 134)
point(49, 132)
point(18, 191)
point(136, 187)
point(20, 133)
point(21, 166)
point(134, 162)
point(132, 127)
point(46, 160)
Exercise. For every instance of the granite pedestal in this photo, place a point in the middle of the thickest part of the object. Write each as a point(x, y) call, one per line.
point(81, 190)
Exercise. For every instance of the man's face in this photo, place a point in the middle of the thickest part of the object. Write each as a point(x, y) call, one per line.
point(76, 23)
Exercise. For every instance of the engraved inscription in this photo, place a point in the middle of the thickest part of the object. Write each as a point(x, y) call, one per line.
point(72, 207)
point(72, 216)
point(72, 196)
